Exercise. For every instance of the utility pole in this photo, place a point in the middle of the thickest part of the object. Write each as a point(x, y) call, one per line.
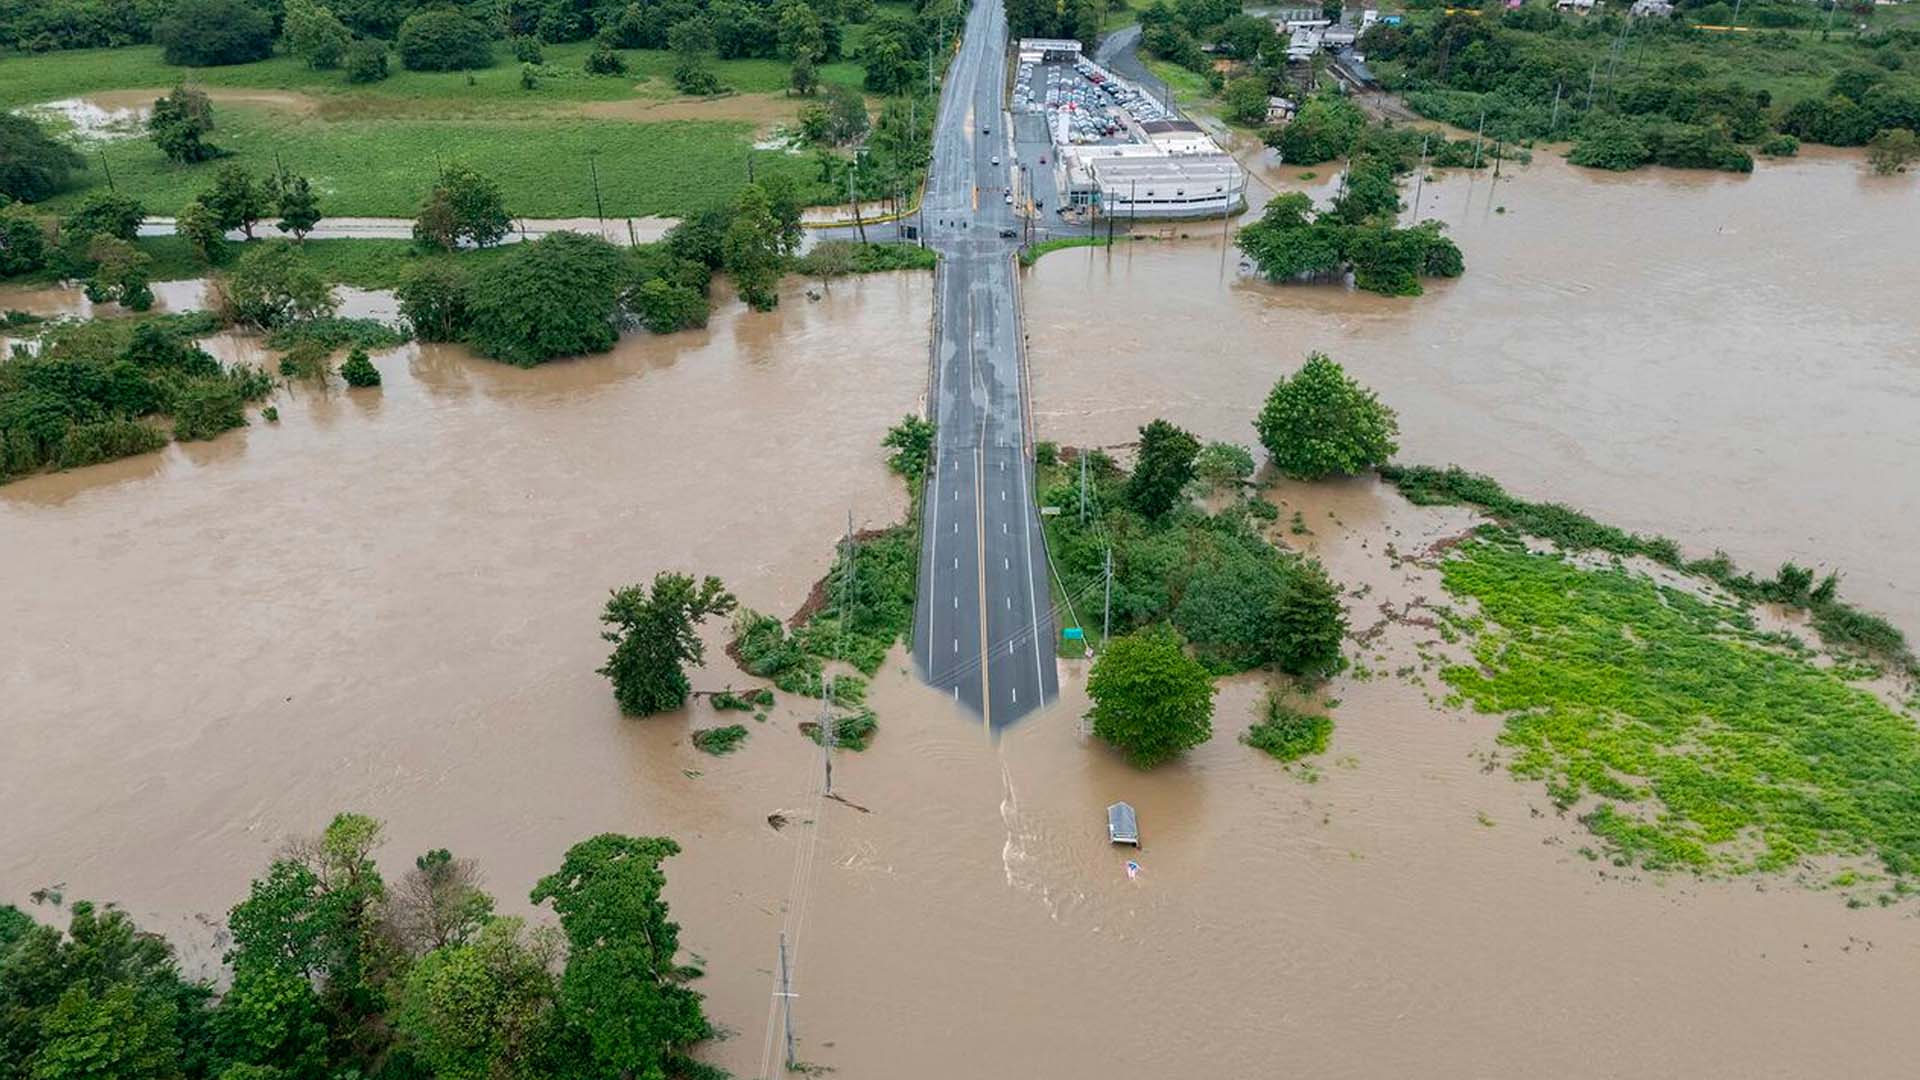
point(1420, 180)
point(599, 211)
point(1476, 136)
point(1083, 489)
point(1554, 124)
point(859, 225)
point(786, 998)
point(1106, 619)
point(1591, 73)
point(108, 168)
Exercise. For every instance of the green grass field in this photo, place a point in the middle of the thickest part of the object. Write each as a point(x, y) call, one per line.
point(384, 167)
point(1686, 738)
point(373, 150)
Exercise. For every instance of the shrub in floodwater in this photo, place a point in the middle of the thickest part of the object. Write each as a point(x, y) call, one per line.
point(1287, 733)
point(853, 732)
point(358, 370)
point(719, 740)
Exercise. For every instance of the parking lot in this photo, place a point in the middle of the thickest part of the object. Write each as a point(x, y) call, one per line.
point(1098, 107)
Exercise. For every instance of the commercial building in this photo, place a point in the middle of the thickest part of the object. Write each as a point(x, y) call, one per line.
point(1116, 147)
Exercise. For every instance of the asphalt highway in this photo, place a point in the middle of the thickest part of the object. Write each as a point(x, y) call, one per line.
point(984, 630)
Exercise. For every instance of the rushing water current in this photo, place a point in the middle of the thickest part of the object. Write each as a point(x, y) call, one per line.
point(387, 602)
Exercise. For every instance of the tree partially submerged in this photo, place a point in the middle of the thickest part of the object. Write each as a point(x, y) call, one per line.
point(654, 635)
point(557, 296)
point(1151, 701)
point(1320, 422)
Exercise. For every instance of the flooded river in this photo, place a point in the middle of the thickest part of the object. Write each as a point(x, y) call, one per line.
point(387, 603)
point(1731, 360)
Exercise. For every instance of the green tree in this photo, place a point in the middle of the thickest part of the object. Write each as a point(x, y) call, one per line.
point(802, 79)
point(557, 296)
point(1325, 128)
point(200, 227)
point(316, 916)
point(1246, 100)
point(1308, 623)
point(177, 123)
point(207, 33)
point(110, 1035)
point(441, 40)
point(314, 34)
point(1151, 701)
point(1223, 464)
point(294, 200)
point(752, 252)
point(272, 285)
point(691, 40)
point(664, 306)
point(846, 114)
point(655, 635)
point(911, 441)
point(464, 206)
point(1892, 150)
point(366, 61)
point(622, 988)
point(270, 1017)
point(358, 370)
point(103, 213)
point(23, 243)
point(1164, 467)
point(603, 60)
point(32, 165)
point(120, 273)
point(1320, 422)
point(237, 200)
point(433, 299)
point(1369, 193)
point(483, 1010)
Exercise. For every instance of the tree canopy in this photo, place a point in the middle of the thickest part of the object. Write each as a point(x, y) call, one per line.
point(1163, 470)
point(1151, 701)
point(33, 166)
point(556, 296)
point(441, 40)
point(209, 33)
point(654, 634)
point(1320, 422)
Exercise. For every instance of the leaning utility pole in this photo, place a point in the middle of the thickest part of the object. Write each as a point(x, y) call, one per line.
point(599, 211)
point(1420, 181)
point(1554, 124)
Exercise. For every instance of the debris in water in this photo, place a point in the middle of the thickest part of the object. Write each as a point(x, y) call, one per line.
point(1133, 870)
point(778, 820)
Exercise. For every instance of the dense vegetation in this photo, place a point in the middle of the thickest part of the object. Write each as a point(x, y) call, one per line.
point(1151, 701)
point(1840, 625)
point(338, 973)
point(1359, 233)
point(1237, 600)
point(1287, 733)
point(1655, 91)
point(95, 391)
point(1319, 422)
point(1687, 738)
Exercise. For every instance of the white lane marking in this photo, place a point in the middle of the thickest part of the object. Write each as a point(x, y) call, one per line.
point(1009, 603)
point(1006, 564)
point(1016, 695)
point(1003, 528)
point(956, 528)
point(956, 562)
point(956, 644)
point(956, 603)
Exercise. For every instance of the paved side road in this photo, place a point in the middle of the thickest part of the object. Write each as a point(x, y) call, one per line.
point(984, 627)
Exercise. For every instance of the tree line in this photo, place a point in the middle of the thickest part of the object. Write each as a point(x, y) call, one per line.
point(337, 973)
point(1359, 233)
point(1532, 73)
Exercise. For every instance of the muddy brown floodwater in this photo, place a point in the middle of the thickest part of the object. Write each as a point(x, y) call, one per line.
point(1733, 361)
point(387, 603)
